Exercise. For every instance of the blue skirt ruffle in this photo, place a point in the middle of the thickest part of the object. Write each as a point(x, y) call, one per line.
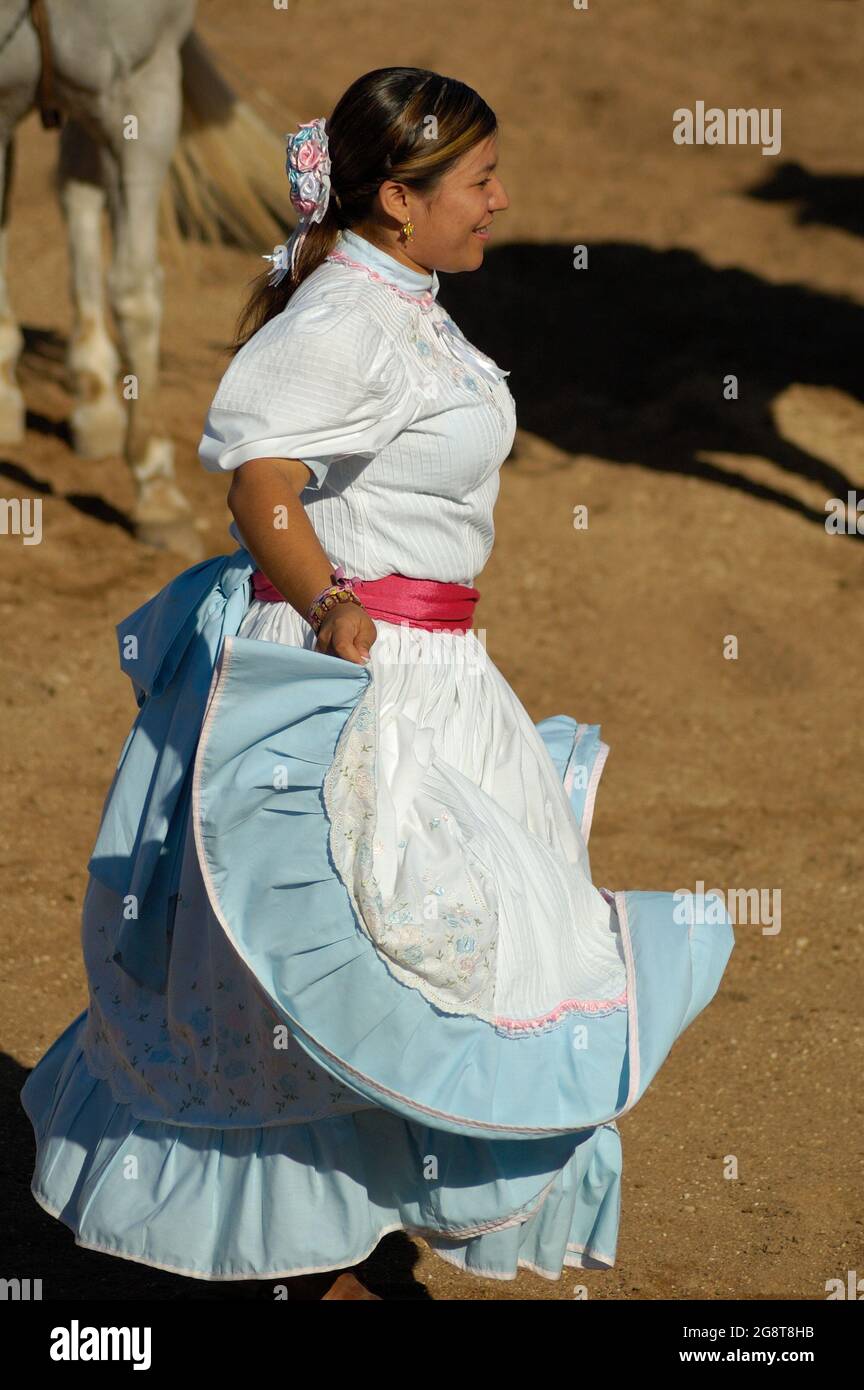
point(228, 1203)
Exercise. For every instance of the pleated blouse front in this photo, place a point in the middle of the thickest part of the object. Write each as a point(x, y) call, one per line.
point(404, 423)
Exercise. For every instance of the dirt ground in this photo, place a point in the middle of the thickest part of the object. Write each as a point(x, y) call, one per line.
point(706, 519)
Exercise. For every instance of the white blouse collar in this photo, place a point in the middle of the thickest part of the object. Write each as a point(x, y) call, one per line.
point(357, 248)
point(412, 284)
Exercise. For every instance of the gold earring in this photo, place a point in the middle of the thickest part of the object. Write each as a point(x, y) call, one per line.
point(408, 230)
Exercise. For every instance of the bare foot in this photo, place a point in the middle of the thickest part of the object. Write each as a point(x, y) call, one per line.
point(347, 1286)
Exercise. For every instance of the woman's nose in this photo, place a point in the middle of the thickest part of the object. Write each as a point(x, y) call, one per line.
point(499, 200)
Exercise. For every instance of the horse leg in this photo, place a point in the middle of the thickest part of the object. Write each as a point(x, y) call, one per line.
point(152, 94)
point(12, 413)
point(98, 420)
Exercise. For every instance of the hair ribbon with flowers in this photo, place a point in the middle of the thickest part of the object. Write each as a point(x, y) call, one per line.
point(307, 164)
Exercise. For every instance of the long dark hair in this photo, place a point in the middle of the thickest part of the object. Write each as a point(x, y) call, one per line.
point(378, 131)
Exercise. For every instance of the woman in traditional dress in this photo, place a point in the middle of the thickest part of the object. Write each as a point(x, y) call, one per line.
point(348, 971)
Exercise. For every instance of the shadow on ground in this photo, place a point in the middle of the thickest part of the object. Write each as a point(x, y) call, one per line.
point(626, 360)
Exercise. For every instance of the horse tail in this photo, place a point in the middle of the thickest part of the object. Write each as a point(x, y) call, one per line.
point(226, 181)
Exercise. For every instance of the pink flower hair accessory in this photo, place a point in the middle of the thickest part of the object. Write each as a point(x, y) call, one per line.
point(307, 164)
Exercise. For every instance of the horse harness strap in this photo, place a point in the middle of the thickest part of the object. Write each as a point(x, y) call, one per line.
point(51, 114)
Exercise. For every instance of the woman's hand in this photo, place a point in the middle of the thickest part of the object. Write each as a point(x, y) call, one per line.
point(347, 631)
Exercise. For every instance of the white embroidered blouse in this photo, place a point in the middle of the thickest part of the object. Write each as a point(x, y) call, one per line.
point(404, 423)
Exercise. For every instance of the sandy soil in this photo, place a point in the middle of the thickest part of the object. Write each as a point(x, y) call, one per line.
point(706, 519)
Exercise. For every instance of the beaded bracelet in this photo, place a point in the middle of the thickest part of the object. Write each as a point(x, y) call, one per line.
point(339, 581)
point(340, 591)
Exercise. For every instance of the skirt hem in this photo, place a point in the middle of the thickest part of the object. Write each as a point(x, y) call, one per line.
point(328, 1197)
point(572, 1258)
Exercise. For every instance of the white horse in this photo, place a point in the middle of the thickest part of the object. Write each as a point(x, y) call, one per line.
point(137, 95)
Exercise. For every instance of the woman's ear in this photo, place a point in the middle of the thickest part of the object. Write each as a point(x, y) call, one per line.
point(394, 200)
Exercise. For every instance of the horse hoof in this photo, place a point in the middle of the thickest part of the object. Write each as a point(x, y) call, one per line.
point(163, 518)
point(98, 431)
point(179, 537)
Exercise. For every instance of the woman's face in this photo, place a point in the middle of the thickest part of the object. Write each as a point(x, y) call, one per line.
point(445, 224)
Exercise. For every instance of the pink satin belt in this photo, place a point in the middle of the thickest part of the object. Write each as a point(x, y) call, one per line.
point(427, 603)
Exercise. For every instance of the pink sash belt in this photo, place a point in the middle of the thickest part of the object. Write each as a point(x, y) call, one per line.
point(427, 603)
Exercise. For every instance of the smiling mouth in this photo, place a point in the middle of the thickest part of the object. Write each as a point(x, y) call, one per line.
point(482, 231)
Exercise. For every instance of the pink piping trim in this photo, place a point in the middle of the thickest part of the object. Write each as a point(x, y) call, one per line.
point(594, 782)
point(620, 901)
point(591, 794)
point(425, 300)
point(591, 1006)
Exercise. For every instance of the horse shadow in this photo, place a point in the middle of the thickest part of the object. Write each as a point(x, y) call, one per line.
point(627, 359)
point(828, 200)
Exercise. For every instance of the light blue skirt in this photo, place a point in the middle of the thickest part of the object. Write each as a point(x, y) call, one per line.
point(287, 1056)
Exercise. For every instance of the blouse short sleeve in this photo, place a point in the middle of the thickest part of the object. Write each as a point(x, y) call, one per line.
point(320, 385)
